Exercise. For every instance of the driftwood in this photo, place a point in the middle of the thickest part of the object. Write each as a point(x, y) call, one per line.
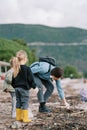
point(76, 113)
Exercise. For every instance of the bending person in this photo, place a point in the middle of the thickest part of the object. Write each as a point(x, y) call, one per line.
point(44, 74)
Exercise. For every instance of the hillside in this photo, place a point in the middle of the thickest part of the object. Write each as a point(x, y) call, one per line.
point(40, 33)
point(64, 49)
point(65, 55)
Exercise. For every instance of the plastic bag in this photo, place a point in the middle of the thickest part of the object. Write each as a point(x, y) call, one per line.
point(83, 94)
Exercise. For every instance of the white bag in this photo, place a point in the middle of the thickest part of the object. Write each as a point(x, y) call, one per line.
point(83, 94)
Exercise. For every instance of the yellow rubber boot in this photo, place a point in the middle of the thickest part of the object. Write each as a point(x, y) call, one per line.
point(19, 116)
point(25, 116)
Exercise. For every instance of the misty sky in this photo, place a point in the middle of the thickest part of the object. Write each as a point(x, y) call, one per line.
point(55, 13)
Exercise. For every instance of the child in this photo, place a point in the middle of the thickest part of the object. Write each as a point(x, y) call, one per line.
point(8, 88)
point(22, 81)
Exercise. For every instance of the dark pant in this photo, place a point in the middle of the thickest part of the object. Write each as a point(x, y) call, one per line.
point(22, 98)
point(43, 97)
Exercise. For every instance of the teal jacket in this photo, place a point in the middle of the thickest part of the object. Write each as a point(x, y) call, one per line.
point(43, 69)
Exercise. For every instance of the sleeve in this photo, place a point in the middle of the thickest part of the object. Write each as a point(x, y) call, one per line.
point(8, 81)
point(31, 79)
point(5, 85)
point(35, 67)
point(8, 77)
point(59, 89)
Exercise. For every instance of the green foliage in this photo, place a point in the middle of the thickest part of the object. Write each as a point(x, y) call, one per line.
point(71, 72)
point(40, 33)
point(72, 55)
point(20, 41)
point(8, 48)
point(20, 33)
point(85, 74)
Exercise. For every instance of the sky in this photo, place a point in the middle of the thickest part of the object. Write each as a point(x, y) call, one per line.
point(54, 13)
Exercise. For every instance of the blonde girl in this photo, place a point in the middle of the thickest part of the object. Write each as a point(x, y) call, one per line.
point(22, 81)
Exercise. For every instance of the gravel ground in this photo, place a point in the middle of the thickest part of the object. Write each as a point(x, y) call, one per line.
point(59, 119)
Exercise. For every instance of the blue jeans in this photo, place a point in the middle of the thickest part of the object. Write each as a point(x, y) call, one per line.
point(22, 98)
point(13, 110)
point(40, 83)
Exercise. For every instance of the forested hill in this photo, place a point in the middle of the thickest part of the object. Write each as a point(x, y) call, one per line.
point(40, 33)
point(70, 46)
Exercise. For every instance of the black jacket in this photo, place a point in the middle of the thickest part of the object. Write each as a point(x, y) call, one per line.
point(24, 79)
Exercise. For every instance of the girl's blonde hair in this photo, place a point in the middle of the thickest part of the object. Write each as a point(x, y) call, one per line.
point(16, 66)
point(11, 61)
point(20, 56)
